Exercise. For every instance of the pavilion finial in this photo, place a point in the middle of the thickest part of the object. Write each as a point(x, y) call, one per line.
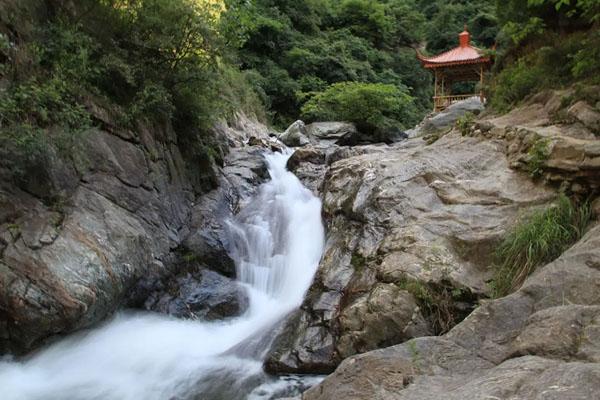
point(464, 38)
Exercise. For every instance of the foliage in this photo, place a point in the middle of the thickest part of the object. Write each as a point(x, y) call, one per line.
point(296, 48)
point(151, 60)
point(358, 261)
point(557, 64)
point(545, 44)
point(537, 240)
point(447, 18)
point(439, 302)
point(585, 60)
point(47, 98)
point(373, 107)
point(465, 122)
point(520, 32)
point(515, 82)
point(537, 156)
point(588, 9)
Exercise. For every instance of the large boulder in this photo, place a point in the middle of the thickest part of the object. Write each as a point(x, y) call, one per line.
point(203, 294)
point(445, 120)
point(540, 342)
point(296, 135)
point(586, 114)
point(331, 131)
point(388, 136)
point(310, 163)
point(410, 222)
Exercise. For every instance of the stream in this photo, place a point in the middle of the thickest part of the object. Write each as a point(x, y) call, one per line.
point(277, 241)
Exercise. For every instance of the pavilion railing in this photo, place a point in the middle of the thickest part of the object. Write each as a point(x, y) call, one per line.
point(441, 102)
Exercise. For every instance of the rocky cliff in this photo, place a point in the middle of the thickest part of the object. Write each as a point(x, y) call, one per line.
point(125, 223)
point(411, 232)
point(540, 342)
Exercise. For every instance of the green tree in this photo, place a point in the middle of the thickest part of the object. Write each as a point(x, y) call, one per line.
point(375, 108)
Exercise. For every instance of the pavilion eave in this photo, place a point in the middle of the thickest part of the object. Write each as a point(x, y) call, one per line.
point(432, 64)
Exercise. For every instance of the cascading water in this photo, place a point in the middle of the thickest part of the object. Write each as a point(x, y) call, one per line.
point(277, 243)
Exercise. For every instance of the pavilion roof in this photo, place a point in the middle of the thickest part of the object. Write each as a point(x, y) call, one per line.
point(463, 54)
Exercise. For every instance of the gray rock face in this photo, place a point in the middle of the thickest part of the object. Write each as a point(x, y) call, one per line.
point(540, 342)
point(331, 131)
point(309, 165)
point(204, 295)
point(445, 119)
point(563, 155)
point(586, 114)
point(404, 222)
point(69, 264)
point(104, 231)
point(296, 135)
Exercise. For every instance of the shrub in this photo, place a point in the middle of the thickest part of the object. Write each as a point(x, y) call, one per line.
point(47, 98)
point(545, 44)
point(465, 122)
point(516, 82)
point(373, 107)
point(586, 61)
point(537, 240)
point(537, 156)
point(442, 304)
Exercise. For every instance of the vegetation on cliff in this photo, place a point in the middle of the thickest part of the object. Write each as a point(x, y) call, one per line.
point(536, 240)
point(158, 61)
point(545, 44)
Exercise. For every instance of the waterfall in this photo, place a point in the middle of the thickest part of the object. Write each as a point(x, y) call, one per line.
point(277, 241)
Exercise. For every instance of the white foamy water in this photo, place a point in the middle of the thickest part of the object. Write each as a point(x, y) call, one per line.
point(277, 243)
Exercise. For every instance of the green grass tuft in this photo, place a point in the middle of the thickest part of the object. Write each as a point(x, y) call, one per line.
point(538, 155)
point(537, 240)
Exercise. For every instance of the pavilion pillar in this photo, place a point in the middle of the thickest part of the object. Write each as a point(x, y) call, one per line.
point(481, 83)
point(435, 90)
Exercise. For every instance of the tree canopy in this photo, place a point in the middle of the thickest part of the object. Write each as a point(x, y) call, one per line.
point(295, 50)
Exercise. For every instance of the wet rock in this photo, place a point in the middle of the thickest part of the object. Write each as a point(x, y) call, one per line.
point(207, 242)
point(107, 230)
point(306, 155)
point(202, 295)
point(387, 136)
point(308, 164)
point(403, 221)
point(539, 342)
point(244, 169)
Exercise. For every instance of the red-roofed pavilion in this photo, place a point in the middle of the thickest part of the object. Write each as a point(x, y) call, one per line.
point(464, 63)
